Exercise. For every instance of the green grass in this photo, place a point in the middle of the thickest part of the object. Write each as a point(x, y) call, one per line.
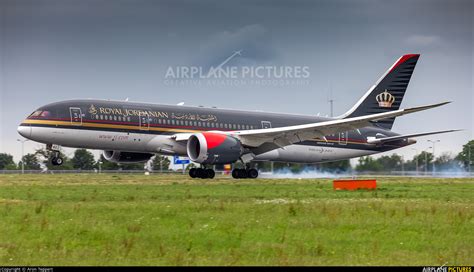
point(172, 220)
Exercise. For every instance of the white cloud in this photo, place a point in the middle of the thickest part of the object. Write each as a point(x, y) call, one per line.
point(422, 40)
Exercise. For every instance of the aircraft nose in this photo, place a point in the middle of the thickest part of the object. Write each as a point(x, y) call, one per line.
point(24, 131)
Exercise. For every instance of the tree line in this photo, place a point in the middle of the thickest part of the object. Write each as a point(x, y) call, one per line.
point(83, 159)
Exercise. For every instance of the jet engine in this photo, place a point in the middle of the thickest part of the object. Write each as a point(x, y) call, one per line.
point(213, 148)
point(126, 157)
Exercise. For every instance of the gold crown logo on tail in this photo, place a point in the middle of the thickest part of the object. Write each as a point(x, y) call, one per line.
point(385, 99)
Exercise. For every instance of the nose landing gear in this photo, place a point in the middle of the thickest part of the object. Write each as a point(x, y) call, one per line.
point(56, 160)
point(55, 156)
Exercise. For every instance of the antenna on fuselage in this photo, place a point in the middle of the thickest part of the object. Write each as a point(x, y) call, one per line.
point(126, 99)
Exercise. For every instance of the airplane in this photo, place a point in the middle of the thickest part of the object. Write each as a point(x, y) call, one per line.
point(130, 132)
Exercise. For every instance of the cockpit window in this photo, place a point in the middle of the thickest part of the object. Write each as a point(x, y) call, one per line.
point(40, 113)
point(35, 114)
point(45, 114)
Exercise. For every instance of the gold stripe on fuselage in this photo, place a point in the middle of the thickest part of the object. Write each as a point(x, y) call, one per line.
point(137, 128)
point(96, 125)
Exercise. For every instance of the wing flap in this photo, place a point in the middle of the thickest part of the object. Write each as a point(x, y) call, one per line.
point(406, 136)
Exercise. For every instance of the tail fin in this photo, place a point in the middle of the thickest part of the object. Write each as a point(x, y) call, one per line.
point(387, 93)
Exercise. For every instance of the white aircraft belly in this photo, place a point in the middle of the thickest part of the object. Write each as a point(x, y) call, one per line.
point(81, 138)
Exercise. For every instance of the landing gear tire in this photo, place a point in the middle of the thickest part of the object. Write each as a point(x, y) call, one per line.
point(210, 173)
point(244, 173)
point(252, 173)
point(57, 160)
point(235, 173)
point(55, 155)
point(192, 173)
point(202, 173)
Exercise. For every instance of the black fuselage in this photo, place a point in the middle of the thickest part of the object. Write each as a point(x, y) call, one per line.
point(147, 118)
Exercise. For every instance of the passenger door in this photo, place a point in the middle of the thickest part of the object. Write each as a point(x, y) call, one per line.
point(343, 138)
point(144, 121)
point(76, 116)
point(266, 124)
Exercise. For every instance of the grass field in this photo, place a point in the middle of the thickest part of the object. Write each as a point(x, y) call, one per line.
point(170, 220)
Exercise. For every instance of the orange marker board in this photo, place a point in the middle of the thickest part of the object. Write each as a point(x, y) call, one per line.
point(353, 184)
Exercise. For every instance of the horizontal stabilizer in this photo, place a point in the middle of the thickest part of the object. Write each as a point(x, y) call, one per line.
point(401, 137)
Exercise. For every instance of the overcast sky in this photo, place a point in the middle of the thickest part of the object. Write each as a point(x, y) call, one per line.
point(63, 49)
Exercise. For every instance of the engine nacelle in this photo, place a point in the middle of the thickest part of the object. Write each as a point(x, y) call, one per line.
point(213, 148)
point(126, 157)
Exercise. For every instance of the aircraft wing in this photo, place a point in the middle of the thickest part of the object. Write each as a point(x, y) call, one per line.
point(284, 136)
point(406, 136)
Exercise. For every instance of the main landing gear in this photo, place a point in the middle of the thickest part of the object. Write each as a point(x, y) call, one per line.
point(202, 173)
point(244, 173)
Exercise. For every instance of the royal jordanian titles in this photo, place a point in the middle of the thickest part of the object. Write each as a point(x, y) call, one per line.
point(134, 132)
